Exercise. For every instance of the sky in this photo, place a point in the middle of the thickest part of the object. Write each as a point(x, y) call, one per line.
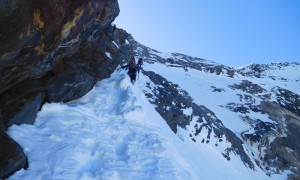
point(230, 32)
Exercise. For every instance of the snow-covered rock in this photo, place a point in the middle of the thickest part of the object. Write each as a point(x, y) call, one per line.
point(252, 112)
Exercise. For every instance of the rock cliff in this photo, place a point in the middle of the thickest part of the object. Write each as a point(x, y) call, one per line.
point(51, 51)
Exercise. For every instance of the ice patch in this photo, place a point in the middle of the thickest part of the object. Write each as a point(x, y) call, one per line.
point(108, 55)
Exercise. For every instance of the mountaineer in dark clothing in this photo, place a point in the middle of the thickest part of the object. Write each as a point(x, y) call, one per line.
point(140, 62)
point(133, 69)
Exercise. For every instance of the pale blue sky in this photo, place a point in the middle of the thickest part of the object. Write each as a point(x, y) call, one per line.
point(230, 32)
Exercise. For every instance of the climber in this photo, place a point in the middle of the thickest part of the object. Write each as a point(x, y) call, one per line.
point(133, 69)
point(140, 62)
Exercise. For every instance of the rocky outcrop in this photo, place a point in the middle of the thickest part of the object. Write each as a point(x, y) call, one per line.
point(53, 51)
point(284, 151)
point(11, 156)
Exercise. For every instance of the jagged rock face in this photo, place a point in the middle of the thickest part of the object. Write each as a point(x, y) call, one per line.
point(36, 31)
point(10, 152)
point(284, 150)
point(54, 51)
point(270, 111)
point(60, 47)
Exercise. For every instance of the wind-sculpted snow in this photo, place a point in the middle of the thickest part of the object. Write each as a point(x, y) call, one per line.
point(104, 135)
point(113, 132)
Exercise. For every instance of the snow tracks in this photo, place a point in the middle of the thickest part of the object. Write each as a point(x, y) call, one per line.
point(107, 134)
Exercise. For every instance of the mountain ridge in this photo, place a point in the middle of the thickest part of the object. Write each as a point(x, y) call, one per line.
point(266, 91)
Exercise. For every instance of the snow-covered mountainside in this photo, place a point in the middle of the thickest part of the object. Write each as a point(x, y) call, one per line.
point(251, 112)
point(184, 118)
point(113, 132)
point(204, 120)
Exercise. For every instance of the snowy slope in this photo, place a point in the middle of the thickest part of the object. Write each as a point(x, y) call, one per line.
point(200, 84)
point(114, 133)
point(258, 105)
point(284, 75)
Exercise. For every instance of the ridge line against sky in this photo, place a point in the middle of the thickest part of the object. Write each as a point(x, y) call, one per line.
point(231, 32)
